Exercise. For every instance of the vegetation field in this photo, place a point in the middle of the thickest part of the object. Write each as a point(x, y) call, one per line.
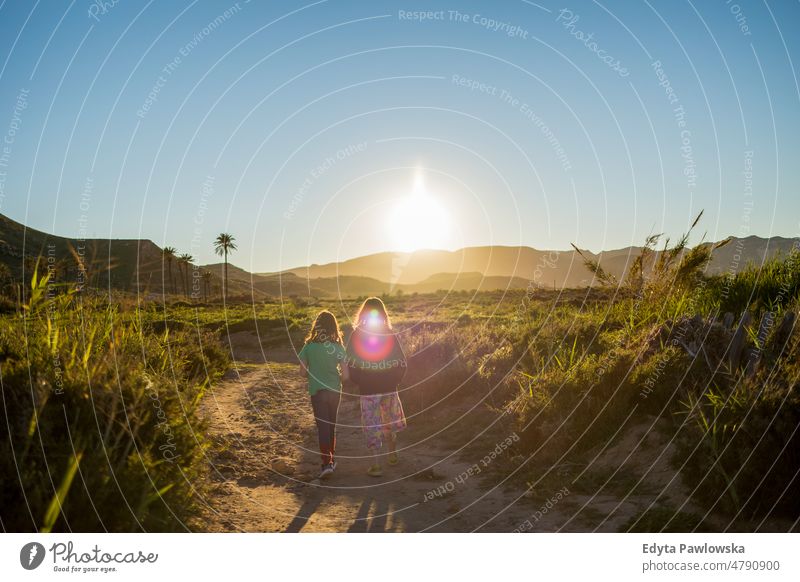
point(668, 386)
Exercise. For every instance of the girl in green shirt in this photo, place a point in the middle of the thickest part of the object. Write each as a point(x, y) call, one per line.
point(322, 360)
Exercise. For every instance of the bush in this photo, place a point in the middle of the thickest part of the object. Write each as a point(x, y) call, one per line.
point(770, 286)
point(743, 444)
point(581, 372)
point(103, 432)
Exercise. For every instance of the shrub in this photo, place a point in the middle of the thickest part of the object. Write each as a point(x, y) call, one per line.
point(771, 286)
point(103, 432)
point(743, 445)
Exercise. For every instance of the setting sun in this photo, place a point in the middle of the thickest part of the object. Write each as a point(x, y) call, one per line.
point(418, 220)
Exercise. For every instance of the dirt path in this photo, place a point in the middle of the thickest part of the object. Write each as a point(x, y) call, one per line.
point(264, 478)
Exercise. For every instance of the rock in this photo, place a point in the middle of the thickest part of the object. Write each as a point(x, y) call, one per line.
point(738, 342)
point(231, 374)
point(226, 455)
point(283, 466)
point(784, 332)
point(727, 320)
point(249, 481)
point(429, 474)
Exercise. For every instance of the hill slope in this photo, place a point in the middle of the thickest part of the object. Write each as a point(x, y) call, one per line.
point(522, 264)
point(125, 264)
point(138, 265)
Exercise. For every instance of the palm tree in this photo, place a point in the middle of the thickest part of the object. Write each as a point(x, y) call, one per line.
point(224, 244)
point(206, 284)
point(169, 255)
point(186, 259)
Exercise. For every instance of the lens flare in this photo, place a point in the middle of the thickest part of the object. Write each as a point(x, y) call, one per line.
point(373, 347)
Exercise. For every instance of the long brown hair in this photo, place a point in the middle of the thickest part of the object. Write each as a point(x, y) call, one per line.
point(372, 307)
point(325, 329)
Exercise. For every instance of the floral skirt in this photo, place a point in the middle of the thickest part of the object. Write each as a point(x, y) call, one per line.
point(381, 414)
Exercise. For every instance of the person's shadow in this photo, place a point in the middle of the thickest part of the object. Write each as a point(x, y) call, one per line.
point(377, 522)
point(305, 511)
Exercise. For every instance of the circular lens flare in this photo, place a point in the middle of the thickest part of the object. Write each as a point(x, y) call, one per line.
point(373, 347)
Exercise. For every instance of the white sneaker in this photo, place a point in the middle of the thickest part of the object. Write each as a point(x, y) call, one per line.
point(327, 470)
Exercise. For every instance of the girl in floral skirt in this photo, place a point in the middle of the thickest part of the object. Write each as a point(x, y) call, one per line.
point(377, 364)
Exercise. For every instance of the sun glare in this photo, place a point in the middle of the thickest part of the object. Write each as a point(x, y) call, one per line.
point(418, 220)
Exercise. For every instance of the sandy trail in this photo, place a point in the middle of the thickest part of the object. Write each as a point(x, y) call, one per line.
point(265, 463)
point(265, 480)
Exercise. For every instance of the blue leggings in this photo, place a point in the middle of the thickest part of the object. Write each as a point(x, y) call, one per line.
point(326, 408)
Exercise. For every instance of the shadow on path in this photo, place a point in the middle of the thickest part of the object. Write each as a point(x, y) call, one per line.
point(305, 511)
point(375, 521)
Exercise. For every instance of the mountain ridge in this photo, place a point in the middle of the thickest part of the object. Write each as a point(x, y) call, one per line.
point(138, 264)
point(543, 267)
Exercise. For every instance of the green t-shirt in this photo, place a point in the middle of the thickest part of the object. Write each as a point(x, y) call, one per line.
point(322, 361)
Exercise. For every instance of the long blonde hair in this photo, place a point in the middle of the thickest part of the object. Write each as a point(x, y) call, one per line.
point(373, 307)
point(325, 329)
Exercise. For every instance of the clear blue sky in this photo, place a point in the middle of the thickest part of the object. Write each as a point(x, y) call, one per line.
point(552, 145)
